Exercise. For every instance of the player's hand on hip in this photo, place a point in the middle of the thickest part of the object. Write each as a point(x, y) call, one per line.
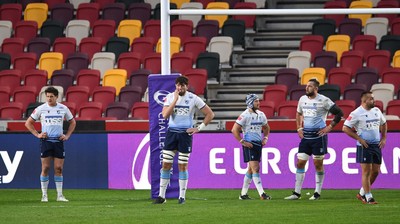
point(324, 130)
point(63, 138)
point(300, 133)
point(264, 141)
point(42, 135)
point(192, 131)
point(382, 143)
point(363, 143)
point(247, 145)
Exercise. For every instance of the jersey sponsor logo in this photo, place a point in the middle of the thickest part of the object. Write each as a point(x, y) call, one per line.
point(160, 96)
point(372, 124)
point(182, 111)
point(310, 112)
point(349, 118)
point(53, 120)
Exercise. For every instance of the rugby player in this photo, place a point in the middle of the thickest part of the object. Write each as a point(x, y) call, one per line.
point(312, 111)
point(51, 115)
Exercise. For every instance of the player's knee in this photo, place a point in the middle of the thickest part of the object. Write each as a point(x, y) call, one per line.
point(302, 156)
point(58, 170)
point(168, 156)
point(319, 157)
point(45, 169)
point(183, 158)
point(255, 169)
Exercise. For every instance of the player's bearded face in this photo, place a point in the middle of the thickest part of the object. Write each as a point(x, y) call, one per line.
point(181, 89)
point(370, 102)
point(310, 90)
point(256, 104)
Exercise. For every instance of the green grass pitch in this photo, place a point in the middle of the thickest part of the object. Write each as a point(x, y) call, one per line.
point(202, 206)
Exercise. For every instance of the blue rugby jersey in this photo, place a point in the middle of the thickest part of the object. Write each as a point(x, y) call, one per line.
point(367, 123)
point(185, 108)
point(314, 112)
point(52, 119)
point(251, 124)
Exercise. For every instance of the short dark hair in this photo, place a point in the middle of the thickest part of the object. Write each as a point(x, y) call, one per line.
point(364, 94)
point(315, 81)
point(182, 80)
point(52, 90)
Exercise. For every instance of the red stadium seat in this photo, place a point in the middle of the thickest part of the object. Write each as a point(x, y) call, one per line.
point(25, 62)
point(198, 80)
point(5, 94)
point(268, 107)
point(65, 45)
point(36, 78)
point(104, 95)
point(25, 95)
point(26, 30)
point(11, 12)
point(352, 60)
point(78, 95)
point(181, 62)
point(288, 109)
point(104, 29)
point(340, 76)
point(347, 106)
point(90, 111)
point(276, 93)
point(89, 12)
point(12, 110)
point(90, 46)
point(182, 29)
point(130, 61)
point(140, 111)
point(130, 95)
point(312, 44)
point(89, 78)
point(10, 78)
point(393, 108)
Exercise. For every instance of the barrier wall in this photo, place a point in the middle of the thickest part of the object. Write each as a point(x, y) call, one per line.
point(85, 164)
point(121, 161)
point(216, 162)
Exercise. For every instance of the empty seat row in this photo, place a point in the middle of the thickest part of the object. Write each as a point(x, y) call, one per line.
point(278, 93)
point(88, 83)
point(341, 76)
point(107, 27)
point(288, 109)
point(64, 12)
point(87, 111)
point(360, 4)
point(378, 59)
point(363, 49)
point(377, 26)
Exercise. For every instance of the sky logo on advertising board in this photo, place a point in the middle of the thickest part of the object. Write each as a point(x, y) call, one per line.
point(159, 96)
point(141, 170)
point(11, 166)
